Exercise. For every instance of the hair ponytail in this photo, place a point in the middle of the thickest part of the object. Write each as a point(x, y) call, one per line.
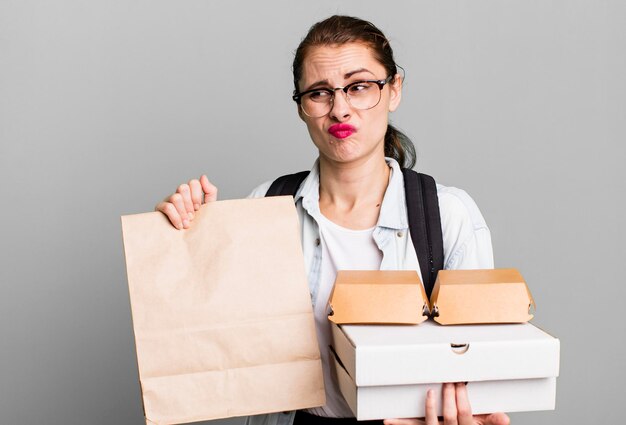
point(399, 147)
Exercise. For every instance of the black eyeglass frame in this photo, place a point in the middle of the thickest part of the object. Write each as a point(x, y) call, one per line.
point(297, 97)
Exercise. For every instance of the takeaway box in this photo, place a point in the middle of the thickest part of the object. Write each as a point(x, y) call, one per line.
point(378, 297)
point(481, 296)
point(385, 371)
point(459, 297)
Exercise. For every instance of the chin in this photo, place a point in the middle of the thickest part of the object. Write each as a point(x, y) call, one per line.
point(343, 151)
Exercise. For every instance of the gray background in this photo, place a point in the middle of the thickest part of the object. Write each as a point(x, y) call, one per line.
point(106, 106)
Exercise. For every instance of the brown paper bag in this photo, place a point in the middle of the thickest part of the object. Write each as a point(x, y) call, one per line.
point(221, 312)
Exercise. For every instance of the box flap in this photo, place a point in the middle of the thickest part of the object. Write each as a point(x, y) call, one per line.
point(376, 296)
point(481, 296)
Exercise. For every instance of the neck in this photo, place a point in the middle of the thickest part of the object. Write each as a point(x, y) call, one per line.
point(347, 189)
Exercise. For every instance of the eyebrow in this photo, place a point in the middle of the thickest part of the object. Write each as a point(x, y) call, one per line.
point(345, 77)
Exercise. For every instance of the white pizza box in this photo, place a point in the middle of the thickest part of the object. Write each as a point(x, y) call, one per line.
point(384, 371)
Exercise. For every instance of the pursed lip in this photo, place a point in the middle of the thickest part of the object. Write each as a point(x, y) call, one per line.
point(341, 131)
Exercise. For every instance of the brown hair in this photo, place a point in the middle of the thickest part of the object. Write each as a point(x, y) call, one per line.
point(338, 30)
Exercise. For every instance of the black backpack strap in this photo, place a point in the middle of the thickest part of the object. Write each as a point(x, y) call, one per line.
point(424, 224)
point(287, 185)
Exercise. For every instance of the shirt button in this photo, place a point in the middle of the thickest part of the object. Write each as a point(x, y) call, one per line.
point(317, 242)
point(400, 234)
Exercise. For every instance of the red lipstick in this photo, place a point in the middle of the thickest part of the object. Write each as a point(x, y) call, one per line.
point(341, 131)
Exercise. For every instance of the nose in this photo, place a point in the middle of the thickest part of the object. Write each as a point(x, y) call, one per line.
point(340, 108)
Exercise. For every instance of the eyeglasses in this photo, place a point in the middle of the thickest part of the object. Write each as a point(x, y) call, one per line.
point(362, 95)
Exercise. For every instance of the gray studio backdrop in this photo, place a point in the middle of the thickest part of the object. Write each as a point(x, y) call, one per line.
point(106, 106)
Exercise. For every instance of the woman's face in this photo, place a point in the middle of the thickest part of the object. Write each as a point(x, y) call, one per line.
point(338, 66)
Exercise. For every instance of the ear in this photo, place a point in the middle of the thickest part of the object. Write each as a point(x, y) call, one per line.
point(395, 92)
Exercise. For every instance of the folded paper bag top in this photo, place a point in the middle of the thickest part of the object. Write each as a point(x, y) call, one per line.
point(481, 296)
point(221, 312)
point(377, 296)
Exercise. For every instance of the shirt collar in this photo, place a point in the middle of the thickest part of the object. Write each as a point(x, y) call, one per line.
point(393, 208)
point(309, 191)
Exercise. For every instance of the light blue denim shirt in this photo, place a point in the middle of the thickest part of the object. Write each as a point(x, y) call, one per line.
point(466, 238)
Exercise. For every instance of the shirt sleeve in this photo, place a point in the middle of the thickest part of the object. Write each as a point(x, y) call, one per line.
point(466, 237)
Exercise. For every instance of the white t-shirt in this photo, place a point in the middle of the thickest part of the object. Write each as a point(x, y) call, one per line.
point(342, 249)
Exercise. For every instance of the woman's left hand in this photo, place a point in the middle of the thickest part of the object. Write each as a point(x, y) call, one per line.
point(456, 410)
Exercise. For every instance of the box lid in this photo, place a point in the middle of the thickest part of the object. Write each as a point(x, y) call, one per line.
point(481, 296)
point(377, 296)
point(429, 353)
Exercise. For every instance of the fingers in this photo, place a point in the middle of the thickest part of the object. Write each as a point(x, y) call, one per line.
point(197, 195)
point(431, 408)
point(172, 213)
point(498, 419)
point(464, 411)
point(463, 407)
point(175, 210)
point(431, 414)
point(177, 200)
point(493, 419)
point(457, 410)
point(195, 192)
point(408, 421)
point(185, 192)
point(449, 405)
point(181, 206)
point(210, 191)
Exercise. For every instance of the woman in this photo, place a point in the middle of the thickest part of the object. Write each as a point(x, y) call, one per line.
point(351, 206)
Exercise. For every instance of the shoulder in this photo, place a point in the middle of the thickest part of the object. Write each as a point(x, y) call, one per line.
point(466, 237)
point(457, 205)
point(260, 190)
point(308, 185)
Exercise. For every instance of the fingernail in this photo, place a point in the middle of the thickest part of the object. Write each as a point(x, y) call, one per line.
point(179, 226)
point(190, 214)
point(185, 223)
point(196, 206)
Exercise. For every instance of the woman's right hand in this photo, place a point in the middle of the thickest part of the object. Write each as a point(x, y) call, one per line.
point(180, 206)
point(456, 410)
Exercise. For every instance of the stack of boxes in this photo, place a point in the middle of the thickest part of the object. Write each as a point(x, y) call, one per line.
point(387, 355)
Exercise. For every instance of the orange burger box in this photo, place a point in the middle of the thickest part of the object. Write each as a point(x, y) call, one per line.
point(385, 371)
